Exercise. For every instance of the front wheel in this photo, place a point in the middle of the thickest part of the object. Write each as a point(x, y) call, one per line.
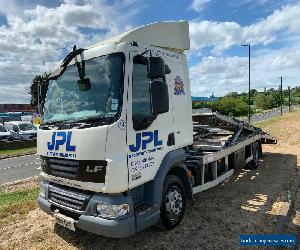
point(173, 203)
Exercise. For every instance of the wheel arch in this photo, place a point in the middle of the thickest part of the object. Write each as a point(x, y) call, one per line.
point(173, 163)
point(181, 172)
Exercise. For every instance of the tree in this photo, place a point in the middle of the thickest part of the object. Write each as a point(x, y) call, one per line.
point(231, 106)
point(252, 92)
point(244, 97)
point(232, 94)
point(267, 100)
point(274, 99)
point(260, 101)
point(43, 81)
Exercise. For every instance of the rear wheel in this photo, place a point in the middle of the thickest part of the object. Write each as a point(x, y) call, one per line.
point(254, 163)
point(173, 203)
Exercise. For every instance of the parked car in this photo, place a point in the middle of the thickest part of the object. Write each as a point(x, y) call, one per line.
point(4, 133)
point(22, 130)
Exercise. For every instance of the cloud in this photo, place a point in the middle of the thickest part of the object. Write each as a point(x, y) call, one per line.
point(223, 35)
point(218, 74)
point(228, 74)
point(221, 73)
point(35, 38)
point(263, 5)
point(14, 7)
point(13, 94)
point(199, 5)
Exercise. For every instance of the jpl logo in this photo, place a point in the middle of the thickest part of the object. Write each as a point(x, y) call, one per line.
point(145, 138)
point(60, 138)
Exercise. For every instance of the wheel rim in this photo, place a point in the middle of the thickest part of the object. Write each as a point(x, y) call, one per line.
point(174, 203)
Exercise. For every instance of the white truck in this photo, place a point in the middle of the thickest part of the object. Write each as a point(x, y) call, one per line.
point(120, 148)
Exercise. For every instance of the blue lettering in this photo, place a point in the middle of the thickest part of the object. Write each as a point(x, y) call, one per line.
point(135, 148)
point(143, 139)
point(147, 141)
point(60, 138)
point(52, 143)
point(157, 142)
point(61, 141)
point(70, 147)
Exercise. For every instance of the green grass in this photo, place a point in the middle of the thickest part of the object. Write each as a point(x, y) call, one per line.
point(17, 203)
point(18, 151)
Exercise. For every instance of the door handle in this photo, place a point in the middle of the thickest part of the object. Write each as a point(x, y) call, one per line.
point(171, 139)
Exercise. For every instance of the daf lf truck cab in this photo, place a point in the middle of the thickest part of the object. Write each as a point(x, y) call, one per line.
point(117, 126)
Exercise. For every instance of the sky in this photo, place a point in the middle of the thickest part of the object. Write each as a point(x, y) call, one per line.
point(36, 34)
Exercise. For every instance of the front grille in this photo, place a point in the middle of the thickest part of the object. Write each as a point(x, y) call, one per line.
point(63, 168)
point(68, 197)
point(83, 170)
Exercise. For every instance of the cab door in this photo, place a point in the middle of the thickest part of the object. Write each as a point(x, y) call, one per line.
point(149, 137)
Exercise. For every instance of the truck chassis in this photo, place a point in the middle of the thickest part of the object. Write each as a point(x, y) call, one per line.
point(222, 145)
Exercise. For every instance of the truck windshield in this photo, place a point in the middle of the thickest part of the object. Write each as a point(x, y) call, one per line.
point(66, 103)
point(26, 126)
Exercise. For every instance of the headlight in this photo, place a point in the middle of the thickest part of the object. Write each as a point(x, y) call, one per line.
point(42, 192)
point(112, 211)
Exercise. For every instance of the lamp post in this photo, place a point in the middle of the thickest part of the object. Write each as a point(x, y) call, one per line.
point(38, 96)
point(281, 100)
point(249, 94)
point(289, 89)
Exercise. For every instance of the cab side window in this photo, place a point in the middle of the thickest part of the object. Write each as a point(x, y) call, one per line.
point(141, 110)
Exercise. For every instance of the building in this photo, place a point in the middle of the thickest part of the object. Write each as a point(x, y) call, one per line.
point(16, 108)
point(200, 99)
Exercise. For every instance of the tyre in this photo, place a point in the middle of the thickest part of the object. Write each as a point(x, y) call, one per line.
point(173, 203)
point(256, 157)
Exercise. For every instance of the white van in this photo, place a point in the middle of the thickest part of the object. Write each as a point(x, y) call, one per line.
point(4, 133)
point(21, 130)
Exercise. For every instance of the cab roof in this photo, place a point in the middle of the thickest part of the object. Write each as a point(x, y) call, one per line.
point(171, 35)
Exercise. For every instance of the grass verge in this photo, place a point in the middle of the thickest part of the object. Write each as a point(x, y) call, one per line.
point(17, 203)
point(8, 152)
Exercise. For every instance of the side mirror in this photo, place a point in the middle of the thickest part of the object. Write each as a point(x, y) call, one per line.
point(156, 67)
point(84, 84)
point(159, 97)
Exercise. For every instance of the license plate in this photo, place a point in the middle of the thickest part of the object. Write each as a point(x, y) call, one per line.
point(64, 221)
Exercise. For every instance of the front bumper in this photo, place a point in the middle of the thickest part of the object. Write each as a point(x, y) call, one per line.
point(114, 228)
point(108, 228)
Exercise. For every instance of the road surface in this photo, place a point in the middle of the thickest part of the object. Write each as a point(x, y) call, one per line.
point(19, 168)
point(265, 116)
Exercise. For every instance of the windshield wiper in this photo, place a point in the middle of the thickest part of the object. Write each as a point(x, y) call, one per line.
point(80, 123)
point(71, 55)
point(58, 72)
point(92, 121)
point(47, 125)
